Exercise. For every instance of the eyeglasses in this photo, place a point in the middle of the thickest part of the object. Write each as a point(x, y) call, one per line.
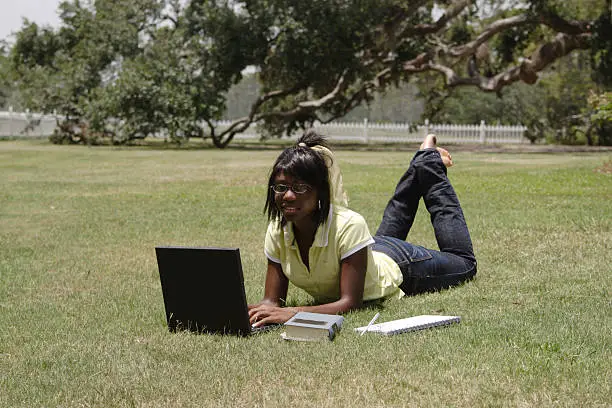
point(299, 188)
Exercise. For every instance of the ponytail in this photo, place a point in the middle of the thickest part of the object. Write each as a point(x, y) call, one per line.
point(318, 143)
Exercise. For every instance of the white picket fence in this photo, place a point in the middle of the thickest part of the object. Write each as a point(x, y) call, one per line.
point(26, 124)
point(365, 132)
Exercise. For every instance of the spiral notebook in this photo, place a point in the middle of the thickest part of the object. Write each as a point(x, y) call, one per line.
point(410, 324)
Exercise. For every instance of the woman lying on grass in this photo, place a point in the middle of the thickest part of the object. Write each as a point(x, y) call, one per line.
point(319, 245)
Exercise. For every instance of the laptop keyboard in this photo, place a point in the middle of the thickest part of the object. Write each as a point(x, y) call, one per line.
point(265, 328)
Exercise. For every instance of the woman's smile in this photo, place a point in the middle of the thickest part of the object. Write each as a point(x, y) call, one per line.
point(289, 209)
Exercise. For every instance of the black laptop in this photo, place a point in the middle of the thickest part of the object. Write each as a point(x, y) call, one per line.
point(203, 290)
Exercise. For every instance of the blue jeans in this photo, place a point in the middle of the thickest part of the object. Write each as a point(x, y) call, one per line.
point(425, 269)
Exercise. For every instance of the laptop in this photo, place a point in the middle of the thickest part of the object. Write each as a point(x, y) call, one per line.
point(203, 290)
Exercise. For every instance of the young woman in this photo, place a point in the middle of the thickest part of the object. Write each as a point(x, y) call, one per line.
point(315, 242)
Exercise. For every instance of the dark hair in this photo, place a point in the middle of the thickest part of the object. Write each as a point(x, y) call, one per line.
point(304, 163)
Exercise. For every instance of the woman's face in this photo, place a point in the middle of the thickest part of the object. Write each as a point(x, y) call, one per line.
point(295, 207)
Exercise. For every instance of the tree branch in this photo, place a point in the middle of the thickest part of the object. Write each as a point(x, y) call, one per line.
point(547, 53)
point(167, 17)
point(557, 23)
point(306, 108)
point(327, 98)
point(271, 95)
point(496, 27)
point(549, 19)
point(242, 124)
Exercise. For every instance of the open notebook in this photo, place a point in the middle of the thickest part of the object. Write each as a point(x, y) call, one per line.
point(410, 324)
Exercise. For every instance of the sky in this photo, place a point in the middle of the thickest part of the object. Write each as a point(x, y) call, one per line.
point(40, 11)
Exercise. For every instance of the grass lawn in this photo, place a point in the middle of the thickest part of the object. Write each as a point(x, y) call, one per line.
point(81, 313)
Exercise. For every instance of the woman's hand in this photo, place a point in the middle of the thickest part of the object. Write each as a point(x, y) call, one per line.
point(262, 313)
point(269, 310)
point(352, 280)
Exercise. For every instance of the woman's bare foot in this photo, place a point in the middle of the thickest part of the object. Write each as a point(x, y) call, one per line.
point(446, 156)
point(430, 143)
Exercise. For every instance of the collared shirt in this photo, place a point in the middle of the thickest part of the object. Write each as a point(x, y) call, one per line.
point(344, 233)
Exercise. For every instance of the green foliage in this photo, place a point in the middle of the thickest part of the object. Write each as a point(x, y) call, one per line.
point(599, 116)
point(223, 41)
point(35, 46)
point(601, 48)
point(602, 107)
point(312, 45)
point(158, 92)
point(66, 71)
point(125, 70)
point(461, 31)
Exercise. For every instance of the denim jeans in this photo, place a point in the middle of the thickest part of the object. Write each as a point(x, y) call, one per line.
point(427, 269)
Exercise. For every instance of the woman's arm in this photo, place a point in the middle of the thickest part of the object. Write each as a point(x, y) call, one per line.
point(276, 287)
point(352, 280)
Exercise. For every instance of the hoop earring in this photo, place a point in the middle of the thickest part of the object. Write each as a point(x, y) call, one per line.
point(319, 205)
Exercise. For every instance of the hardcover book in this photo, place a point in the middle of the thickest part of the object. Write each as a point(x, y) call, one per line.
point(410, 324)
point(305, 326)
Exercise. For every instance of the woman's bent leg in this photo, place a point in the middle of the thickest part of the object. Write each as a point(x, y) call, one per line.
point(402, 207)
point(447, 217)
point(425, 269)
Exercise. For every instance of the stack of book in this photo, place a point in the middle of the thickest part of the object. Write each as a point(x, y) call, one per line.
point(306, 326)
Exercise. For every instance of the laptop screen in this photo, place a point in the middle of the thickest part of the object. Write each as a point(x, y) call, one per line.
point(203, 289)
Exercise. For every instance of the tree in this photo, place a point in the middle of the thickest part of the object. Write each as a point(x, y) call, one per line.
point(152, 65)
point(66, 70)
point(557, 107)
point(324, 58)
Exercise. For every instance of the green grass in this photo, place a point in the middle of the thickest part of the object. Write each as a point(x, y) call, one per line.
point(82, 319)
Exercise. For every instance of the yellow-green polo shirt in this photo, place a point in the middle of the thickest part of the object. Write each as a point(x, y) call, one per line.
point(344, 233)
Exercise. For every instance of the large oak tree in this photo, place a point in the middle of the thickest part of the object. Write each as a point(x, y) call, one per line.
point(132, 68)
